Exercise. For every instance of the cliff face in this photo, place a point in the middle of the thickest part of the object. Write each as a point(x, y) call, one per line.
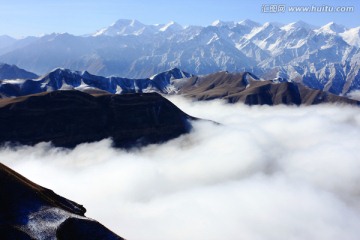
point(29, 211)
point(68, 118)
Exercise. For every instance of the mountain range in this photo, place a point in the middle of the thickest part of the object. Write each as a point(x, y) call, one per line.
point(233, 87)
point(325, 58)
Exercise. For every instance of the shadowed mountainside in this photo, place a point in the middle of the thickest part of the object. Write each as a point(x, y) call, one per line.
point(68, 118)
point(29, 211)
point(13, 72)
point(65, 79)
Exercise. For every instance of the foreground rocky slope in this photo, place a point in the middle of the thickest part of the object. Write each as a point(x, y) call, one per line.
point(68, 118)
point(29, 211)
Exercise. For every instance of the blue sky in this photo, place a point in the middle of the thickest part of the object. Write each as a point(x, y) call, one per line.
point(35, 17)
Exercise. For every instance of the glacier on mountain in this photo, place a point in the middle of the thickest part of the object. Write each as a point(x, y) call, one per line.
point(325, 57)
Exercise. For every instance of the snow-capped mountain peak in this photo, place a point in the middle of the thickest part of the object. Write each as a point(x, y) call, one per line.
point(219, 23)
point(272, 25)
point(216, 23)
point(266, 29)
point(121, 23)
point(249, 23)
point(122, 27)
point(174, 73)
point(266, 25)
point(352, 36)
point(297, 25)
point(316, 56)
point(173, 26)
point(331, 28)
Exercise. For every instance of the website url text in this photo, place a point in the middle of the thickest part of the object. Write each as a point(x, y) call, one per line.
point(282, 8)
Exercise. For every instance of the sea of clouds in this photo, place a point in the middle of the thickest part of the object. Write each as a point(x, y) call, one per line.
point(263, 173)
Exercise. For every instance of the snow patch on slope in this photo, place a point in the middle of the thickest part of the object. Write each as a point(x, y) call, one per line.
point(42, 225)
point(352, 36)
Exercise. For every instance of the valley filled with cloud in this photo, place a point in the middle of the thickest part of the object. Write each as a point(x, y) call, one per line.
point(260, 172)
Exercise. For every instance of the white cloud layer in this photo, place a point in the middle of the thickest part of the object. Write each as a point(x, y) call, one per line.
point(264, 173)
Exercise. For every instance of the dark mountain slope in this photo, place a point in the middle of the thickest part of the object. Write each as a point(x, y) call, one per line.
point(68, 118)
point(13, 72)
point(65, 79)
point(29, 211)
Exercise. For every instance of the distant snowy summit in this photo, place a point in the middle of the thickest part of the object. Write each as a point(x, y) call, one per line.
point(125, 27)
point(321, 57)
